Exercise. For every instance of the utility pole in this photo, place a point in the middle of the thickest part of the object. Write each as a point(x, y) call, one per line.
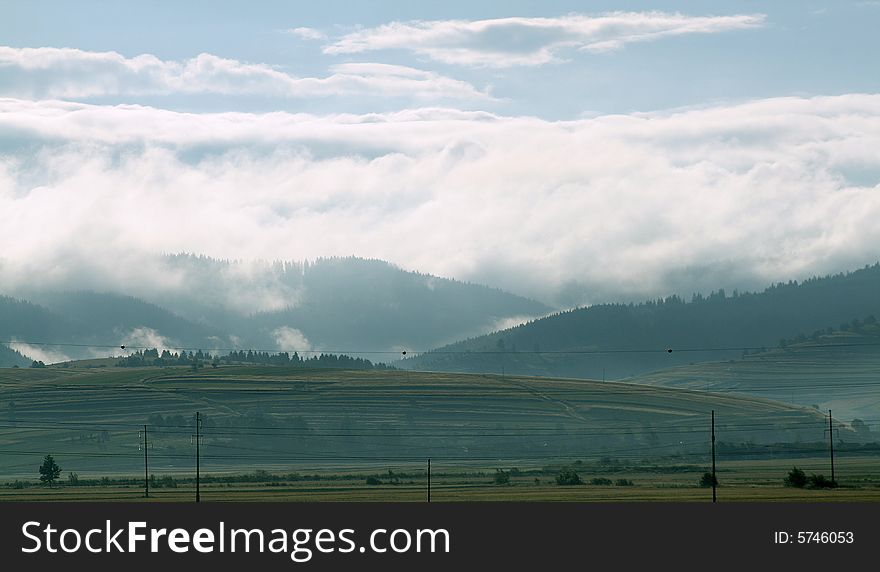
point(714, 480)
point(429, 479)
point(831, 442)
point(146, 445)
point(198, 442)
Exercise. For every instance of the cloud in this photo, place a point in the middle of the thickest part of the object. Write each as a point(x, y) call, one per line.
point(65, 73)
point(291, 340)
point(615, 206)
point(506, 42)
point(45, 354)
point(143, 337)
point(307, 33)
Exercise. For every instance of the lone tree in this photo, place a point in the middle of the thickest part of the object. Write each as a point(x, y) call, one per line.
point(796, 478)
point(49, 470)
point(568, 477)
point(707, 480)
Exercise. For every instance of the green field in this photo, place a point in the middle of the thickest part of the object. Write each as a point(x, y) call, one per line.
point(320, 433)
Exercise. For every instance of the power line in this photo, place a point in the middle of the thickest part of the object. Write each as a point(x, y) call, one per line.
point(645, 350)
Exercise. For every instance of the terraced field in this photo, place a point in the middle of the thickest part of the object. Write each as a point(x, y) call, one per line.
point(292, 420)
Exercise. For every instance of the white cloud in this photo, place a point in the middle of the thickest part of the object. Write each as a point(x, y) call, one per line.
point(505, 42)
point(307, 33)
point(143, 337)
point(65, 73)
point(611, 206)
point(291, 340)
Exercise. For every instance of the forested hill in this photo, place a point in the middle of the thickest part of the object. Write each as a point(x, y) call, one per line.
point(720, 320)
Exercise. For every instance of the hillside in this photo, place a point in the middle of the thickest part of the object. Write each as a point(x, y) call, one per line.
point(11, 358)
point(275, 418)
point(24, 320)
point(619, 341)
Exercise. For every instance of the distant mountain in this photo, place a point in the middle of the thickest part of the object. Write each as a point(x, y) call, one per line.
point(355, 304)
point(84, 318)
point(351, 305)
point(620, 340)
point(112, 316)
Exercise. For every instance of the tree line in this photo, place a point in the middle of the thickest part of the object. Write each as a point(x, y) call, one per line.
point(198, 359)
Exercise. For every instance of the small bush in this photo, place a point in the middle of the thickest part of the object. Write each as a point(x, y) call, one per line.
point(373, 481)
point(796, 478)
point(501, 478)
point(623, 483)
point(707, 480)
point(820, 482)
point(601, 481)
point(567, 477)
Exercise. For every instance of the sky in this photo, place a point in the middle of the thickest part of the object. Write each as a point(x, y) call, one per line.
point(576, 152)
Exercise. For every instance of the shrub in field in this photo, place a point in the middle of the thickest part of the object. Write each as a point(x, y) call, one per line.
point(568, 476)
point(373, 481)
point(796, 478)
point(501, 477)
point(164, 482)
point(707, 480)
point(600, 481)
point(820, 482)
point(623, 483)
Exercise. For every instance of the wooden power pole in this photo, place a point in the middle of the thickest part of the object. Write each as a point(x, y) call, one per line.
point(146, 465)
point(714, 480)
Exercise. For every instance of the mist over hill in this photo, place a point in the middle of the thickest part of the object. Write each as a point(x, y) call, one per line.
point(351, 304)
point(622, 340)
